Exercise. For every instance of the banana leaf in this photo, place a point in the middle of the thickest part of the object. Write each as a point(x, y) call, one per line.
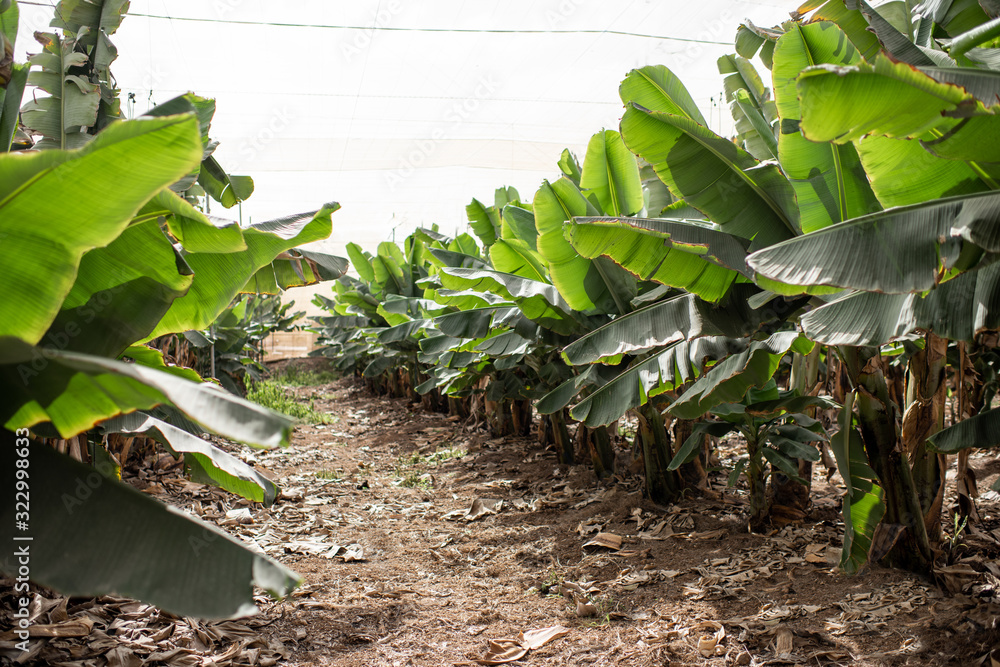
point(683, 255)
point(107, 182)
point(829, 182)
point(684, 317)
point(712, 174)
point(127, 543)
point(729, 380)
point(905, 249)
point(611, 174)
point(585, 284)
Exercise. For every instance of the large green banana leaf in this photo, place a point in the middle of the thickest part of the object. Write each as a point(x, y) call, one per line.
point(516, 256)
point(854, 25)
point(392, 270)
point(517, 222)
point(204, 462)
point(57, 205)
point(902, 172)
point(472, 323)
point(218, 277)
point(75, 392)
point(892, 99)
point(830, 184)
point(683, 255)
point(194, 230)
point(361, 261)
point(657, 88)
point(540, 302)
point(441, 257)
point(958, 310)
point(484, 221)
point(585, 284)
point(901, 250)
point(729, 380)
point(981, 431)
point(751, 200)
point(121, 293)
point(126, 543)
point(660, 372)
point(901, 101)
point(611, 174)
point(683, 317)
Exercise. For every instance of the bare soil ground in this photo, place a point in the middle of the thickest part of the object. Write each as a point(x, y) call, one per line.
point(421, 541)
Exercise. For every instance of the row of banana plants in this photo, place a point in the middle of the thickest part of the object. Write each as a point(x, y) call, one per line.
point(104, 251)
point(845, 239)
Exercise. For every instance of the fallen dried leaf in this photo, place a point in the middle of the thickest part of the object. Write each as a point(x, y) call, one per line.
point(606, 541)
point(502, 651)
point(533, 639)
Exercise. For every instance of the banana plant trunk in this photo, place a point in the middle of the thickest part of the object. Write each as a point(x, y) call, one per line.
point(760, 514)
point(662, 485)
point(926, 393)
point(561, 437)
point(520, 414)
point(901, 538)
point(597, 443)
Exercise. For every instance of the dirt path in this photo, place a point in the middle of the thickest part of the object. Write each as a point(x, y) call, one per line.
point(436, 584)
point(421, 540)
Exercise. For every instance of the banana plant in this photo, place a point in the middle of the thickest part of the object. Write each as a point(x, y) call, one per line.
point(776, 432)
point(61, 378)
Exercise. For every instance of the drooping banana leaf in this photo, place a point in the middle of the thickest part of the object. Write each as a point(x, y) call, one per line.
point(729, 380)
point(75, 392)
point(57, 205)
point(684, 317)
point(538, 301)
point(900, 101)
point(516, 256)
point(205, 463)
point(121, 292)
point(981, 431)
point(751, 200)
point(218, 277)
point(958, 310)
point(683, 255)
point(127, 543)
point(905, 249)
point(660, 372)
point(194, 230)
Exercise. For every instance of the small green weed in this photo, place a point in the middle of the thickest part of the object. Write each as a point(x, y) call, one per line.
point(329, 474)
point(294, 376)
point(414, 480)
point(270, 394)
point(436, 457)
